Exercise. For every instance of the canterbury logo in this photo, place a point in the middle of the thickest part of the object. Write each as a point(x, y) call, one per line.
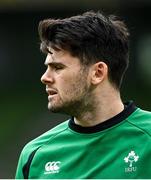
point(52, 167)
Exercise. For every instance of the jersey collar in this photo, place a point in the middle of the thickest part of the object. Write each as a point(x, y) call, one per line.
point(129, 109)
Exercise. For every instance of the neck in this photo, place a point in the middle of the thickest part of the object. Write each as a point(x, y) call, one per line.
point(104, 108)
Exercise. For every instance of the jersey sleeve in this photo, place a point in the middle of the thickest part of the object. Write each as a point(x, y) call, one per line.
point(30, 149)
point(21, 163)
point(19, 171)
point(24, 158)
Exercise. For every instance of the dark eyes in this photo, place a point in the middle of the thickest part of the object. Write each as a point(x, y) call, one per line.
point(57, 67)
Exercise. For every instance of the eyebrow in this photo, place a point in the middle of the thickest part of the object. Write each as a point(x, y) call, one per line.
point(50, 52)
point(53, 64)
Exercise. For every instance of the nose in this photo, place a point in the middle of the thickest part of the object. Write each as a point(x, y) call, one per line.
point(47, 78)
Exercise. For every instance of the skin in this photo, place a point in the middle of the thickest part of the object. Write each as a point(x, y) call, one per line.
point(85, 93)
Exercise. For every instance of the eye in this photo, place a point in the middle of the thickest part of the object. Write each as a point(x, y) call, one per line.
point(58, 67)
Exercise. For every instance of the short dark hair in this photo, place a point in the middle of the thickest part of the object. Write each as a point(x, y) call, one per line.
point(92, 37)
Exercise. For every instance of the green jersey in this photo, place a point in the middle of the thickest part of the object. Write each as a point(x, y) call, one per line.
point(119, 148)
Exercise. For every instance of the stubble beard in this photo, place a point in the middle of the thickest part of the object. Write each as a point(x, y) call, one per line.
point(77, 101)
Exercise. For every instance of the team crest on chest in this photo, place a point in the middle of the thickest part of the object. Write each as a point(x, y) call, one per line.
point(131, 160)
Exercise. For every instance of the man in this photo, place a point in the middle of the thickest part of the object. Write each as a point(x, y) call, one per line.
point(87, 56)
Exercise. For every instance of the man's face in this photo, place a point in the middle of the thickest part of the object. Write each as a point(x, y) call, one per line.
point(66, 82)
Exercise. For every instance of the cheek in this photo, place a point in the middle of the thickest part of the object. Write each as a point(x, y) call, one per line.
point(67, 85)
point(66, 79)
point(71, 84)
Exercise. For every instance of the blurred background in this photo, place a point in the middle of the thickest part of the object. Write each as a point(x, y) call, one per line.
point(23, 101)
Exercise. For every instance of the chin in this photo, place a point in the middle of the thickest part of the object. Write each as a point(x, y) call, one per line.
point(58, 109)
point(54, 109)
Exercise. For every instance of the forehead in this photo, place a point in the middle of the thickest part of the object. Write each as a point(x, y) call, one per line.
point(61, 56)
point(57, 53)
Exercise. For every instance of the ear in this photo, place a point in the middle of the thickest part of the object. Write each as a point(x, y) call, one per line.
point(99, 72)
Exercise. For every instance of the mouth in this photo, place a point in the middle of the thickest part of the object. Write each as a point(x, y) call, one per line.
point(51, 92)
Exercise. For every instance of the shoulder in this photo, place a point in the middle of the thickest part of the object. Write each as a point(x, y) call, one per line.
point(42, 140)
point(141, 120)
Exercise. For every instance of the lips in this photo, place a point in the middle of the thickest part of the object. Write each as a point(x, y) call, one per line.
point(51, 92)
